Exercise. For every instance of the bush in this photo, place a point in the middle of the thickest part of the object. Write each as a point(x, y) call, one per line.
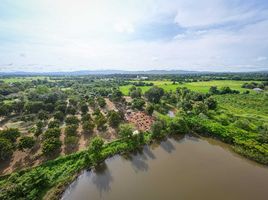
point(178, 125)
point(114, 118)
point(59, 115)
point(158, 129)
point(51, 146)
point(200, 107)
point(211, 103)
point(6, 148)
point(52, 133)
point(88, 127)
point(149, 109)
point(125, 130)
point(26, 142)
point(71, 130)
point(72, 120)
point(54, 124)
point(10, 134)
point(101, 101)
point(154, 94)
point(71, 141)
point(138, 103)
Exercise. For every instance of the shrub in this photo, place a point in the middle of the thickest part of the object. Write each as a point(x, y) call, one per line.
point(72, 120)
point(88, 126)
point(114, 118)
point(6, 148)
point(52, 133)
point(59, 115)
point(125, 130)
point(149, 109)
point(51, 146)
point(138, 103)
point(10, 134)
point(26, 142)
point(71, 130)
point(54, 124)
point(154, 94)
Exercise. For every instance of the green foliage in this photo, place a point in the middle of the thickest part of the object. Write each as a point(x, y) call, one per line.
point(84, 107)
point(71, 130)
point(59, 115)
point(134, 92)
point(158, 129)
point(125, 130)
point(200, 107)
point(100, 121)
point(51, 146)
point(26, 142)
point(114, 118)
point(138, 103)
point(88, 126)
point(101, 101)
point(52, 133)
point(10, 134)
point(54, 124)
point(154, 94)
point(72, 120)
point(6, 148)
point(149, 109)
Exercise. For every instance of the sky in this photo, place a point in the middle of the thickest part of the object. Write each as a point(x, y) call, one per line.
point(73, 35)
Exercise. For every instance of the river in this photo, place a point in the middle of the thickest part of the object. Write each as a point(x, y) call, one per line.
point(187, 168)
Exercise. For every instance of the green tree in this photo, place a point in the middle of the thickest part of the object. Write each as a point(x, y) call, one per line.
point(114, 118)
point(11, 134)
point(71, 130)
point(154, 94)
point(138, 103)
point(125, 130)
point(149, 109)
point(6, 148)
point(95, 148)
point(72, 120)
point(26, 142)
point(59, 115)
point(51, 146)
point(200, 107)
point(101, 101)
point(211, 103)
point(88, 127)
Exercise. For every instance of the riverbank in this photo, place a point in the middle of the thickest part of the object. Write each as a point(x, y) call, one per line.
point(50, 179)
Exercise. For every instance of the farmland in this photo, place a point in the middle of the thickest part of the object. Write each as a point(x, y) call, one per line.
point(201, 86)
point(53, 127)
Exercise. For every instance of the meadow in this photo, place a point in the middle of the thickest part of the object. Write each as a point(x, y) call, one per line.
point(201, 86)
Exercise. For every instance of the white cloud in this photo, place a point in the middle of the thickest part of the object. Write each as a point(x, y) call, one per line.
point(87, 34)
point(124, 27)
point(261, 58)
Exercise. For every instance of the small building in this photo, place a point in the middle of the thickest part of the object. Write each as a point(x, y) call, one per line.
point(257, 89)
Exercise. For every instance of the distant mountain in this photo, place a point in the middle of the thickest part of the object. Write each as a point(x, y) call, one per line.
point(109, 72)
point(96, 72)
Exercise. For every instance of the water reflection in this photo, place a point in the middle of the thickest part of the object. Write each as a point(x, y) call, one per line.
point(167, 146)
point(102, 178)
point(138, 161)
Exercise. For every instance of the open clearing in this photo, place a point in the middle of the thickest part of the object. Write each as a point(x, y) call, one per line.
point(201, 86)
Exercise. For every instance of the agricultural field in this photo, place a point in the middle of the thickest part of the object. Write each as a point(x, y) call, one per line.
point(22, 79)
point(201, 86)
point(48, 126)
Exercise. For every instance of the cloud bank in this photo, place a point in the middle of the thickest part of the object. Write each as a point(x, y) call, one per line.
point(67, 35)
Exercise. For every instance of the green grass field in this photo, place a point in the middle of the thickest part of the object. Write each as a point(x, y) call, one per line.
point(195, 86)
point(22, 79)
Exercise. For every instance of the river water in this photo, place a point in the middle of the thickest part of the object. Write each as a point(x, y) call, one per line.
point(183, 168)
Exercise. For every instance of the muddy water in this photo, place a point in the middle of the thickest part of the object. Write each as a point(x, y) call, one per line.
point(186, 168)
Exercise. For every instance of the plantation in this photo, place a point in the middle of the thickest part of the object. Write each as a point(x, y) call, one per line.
point(53, 127)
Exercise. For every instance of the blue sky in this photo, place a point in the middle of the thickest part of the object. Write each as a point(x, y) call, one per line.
point(68, 35)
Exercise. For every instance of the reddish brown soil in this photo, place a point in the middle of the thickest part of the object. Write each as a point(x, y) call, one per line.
point(141, 120)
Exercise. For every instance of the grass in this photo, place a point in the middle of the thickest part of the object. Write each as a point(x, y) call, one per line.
point(22, 79)
point(202, 86)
